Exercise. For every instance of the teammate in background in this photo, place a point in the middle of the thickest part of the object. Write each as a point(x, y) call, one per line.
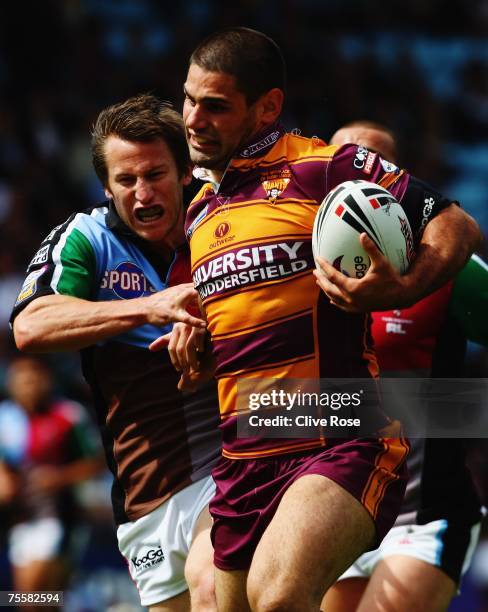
point(46, 447)
point(419, 564)
point(268, 318)
point(103, 282)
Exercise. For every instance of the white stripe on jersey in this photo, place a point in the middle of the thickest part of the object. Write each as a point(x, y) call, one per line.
point(57, 250)
point(479, 261)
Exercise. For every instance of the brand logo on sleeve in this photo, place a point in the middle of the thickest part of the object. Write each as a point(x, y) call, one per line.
point(364, 159)
point(41, 256)
point(429, 204)
point(368, 164)
point(389, 166)
point(30, 285)
point(360, 157)
point(51, 234)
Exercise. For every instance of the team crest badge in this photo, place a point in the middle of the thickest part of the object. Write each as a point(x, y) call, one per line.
point(274, 184)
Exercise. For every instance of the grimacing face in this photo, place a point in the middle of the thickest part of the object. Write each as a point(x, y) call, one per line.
point(217, 118)
point(143, 181)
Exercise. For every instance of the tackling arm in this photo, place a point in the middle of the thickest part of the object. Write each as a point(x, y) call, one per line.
point(61, 322)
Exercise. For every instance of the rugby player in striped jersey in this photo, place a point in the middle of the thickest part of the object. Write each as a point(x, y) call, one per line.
point(291, 514)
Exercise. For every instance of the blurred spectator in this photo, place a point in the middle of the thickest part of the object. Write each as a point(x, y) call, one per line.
point(46, 447)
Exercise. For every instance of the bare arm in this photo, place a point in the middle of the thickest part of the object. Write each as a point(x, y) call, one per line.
point(447, 242)
point(60, 322)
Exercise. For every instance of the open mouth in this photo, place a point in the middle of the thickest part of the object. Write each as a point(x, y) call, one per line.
point(149, 214)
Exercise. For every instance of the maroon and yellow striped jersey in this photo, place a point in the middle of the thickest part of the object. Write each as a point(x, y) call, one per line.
point(252, 264)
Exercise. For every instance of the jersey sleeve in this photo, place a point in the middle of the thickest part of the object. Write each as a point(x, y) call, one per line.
point(420, 201)
point(469, 300)
point(64, 264)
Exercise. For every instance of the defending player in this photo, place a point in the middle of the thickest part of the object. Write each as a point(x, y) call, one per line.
point(252, 265)
point(420, 561)
point(103, 282)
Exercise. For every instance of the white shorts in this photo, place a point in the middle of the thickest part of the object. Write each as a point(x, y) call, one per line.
point(443, 544)
point(156, 545)
point(36, 540)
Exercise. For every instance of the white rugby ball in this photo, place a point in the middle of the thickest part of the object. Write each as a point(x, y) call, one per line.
point(354, 207)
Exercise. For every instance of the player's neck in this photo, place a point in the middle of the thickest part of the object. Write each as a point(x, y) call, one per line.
point(166, 248)
point(216, 175)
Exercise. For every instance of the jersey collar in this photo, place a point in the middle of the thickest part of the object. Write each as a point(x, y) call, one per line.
point(114, 222)
point(257, 146)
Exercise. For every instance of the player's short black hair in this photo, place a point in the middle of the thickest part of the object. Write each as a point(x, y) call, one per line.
point(142, 118)
point(253, 58)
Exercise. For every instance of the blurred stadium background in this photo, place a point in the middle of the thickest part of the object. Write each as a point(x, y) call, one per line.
point(420, 67)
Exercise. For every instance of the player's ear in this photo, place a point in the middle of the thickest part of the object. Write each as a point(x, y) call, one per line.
point(270, 105)
point(187, 176)
point(108, 194)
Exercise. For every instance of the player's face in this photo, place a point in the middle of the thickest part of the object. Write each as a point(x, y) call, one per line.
point(217, 117)
point(28, 384)
point(147, 191)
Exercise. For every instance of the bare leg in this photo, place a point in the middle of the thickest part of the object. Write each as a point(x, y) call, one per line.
point(179, 603)
point(230, 588)
point(199, 567)
point(318, 530)
point(345, 595)
point(402, 584)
